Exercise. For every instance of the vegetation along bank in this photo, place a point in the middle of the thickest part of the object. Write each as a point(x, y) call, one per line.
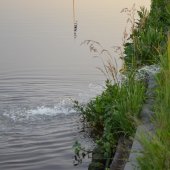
point(114, 115)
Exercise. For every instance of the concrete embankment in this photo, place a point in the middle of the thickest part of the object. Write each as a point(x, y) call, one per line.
point(145, 127)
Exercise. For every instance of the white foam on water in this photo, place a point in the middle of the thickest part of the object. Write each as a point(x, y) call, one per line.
point(21, 114)
point(94, 90)
point(64, 106)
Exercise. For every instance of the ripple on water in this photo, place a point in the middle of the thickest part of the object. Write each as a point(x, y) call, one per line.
point(39, 140)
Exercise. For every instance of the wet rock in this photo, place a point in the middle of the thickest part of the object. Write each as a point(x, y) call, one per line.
point(122, 154)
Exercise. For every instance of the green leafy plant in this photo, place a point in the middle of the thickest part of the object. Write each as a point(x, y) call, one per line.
point(114, 112)
point(146, 42)
point(145, 48)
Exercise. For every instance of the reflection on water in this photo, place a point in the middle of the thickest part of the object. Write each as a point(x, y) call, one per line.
point(75, 22)
point(42, 69)
point(75, 29)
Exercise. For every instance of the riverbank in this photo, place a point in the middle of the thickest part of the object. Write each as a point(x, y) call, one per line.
point(156, 150)
point(116, 112)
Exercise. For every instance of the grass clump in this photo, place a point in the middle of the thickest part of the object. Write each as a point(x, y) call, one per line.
point(148, 38)
point(156, 147)
point(156, 153)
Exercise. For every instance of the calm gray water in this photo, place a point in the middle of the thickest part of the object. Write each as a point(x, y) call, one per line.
point(43, 68)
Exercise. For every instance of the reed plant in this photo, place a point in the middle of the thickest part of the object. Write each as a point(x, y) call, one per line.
point(110, 67)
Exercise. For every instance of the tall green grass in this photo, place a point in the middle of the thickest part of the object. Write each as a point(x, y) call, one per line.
point(156, 154)
point(148, 38)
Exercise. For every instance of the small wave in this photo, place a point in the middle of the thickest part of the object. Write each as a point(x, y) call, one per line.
point(63, 107)
point(21, 114)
